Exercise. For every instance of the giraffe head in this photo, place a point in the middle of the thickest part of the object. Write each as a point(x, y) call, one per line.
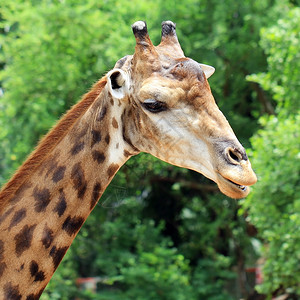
point(169, 112)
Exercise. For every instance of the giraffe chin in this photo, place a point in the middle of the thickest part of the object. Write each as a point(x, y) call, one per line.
point(232, 189)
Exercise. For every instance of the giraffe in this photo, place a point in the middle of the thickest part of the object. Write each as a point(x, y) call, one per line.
point(156, 101)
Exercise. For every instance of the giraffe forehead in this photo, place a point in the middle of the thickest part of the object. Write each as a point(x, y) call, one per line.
point(176, 85)
point(183, 72)
point(160, 88)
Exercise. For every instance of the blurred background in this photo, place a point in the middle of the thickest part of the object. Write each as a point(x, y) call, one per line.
point(161, 232)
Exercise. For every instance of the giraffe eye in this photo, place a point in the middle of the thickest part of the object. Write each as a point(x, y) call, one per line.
point(154, 106)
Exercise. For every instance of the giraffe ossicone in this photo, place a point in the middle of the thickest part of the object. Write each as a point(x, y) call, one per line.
point(139, 25)
point(156, 101)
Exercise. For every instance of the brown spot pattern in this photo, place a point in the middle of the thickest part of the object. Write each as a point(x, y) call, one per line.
point(18, 217)
point(42, 199)
point(112, 169)
point(114, 123)
point(98, 156)
point(11, 292)
point(35, 296)
point(61, 204)
point(78, 179)
point(126, 153)
point(95, 194)
point(96, 137)
point(34, 271)
point(59, 174)
point(51, 166)
point(107, 139)
point(49, 142)
point(23, 239)
point(2, 268)
point(47, 237)
point(77, 148)
point(72, 224)
point(57, 255)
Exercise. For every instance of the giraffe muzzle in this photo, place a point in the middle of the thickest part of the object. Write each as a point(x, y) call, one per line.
point(232, 188)
point(235, 180)
point(234, 171)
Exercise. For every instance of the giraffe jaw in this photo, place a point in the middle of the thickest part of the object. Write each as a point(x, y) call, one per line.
point(231, 188)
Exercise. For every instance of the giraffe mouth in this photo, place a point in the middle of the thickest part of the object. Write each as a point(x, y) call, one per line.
point(231, 188)
point(240, 186)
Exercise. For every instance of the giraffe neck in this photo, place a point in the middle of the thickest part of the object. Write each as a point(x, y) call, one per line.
point(43, 216)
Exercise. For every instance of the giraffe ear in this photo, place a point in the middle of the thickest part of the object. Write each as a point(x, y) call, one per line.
point(208, 70)
point(118, 83)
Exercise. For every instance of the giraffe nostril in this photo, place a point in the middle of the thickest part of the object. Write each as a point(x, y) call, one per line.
point(233, 155)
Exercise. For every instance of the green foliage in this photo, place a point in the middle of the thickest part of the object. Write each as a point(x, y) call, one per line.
point(222, 235)
point(281, 44)
point(274, 205)
point(210, 277)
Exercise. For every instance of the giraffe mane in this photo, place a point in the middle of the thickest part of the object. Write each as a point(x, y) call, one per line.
point(48, 142)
